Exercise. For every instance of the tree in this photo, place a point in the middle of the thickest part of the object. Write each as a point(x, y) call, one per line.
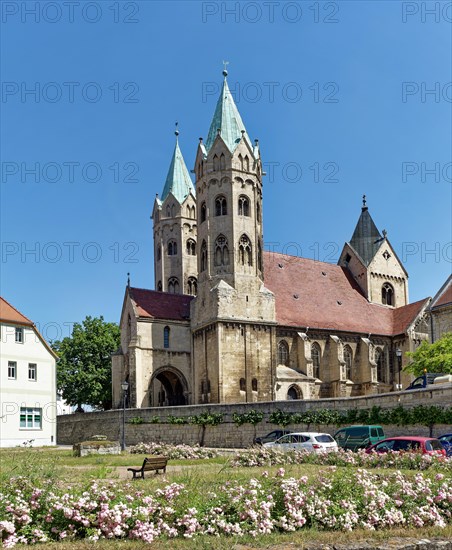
point(436, 357)
point(84, 366)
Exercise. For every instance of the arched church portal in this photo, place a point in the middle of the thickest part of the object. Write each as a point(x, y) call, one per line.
point(168, 388)
point(294, 392)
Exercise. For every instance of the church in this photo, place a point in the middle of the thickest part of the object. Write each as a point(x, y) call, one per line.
point(231, 323)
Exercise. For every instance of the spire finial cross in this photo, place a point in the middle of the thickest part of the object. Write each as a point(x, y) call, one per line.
point(128, 280)
point(176, 131)
point(225, 70)
point(364, 200)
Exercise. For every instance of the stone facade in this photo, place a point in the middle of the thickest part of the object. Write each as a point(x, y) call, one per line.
point(229, 323)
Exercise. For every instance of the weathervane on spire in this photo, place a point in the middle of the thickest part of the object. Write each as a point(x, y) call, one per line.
point(364, 201)
point(176, 131)
point(225, 71)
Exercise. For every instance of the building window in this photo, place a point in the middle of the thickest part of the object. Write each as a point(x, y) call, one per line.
point(246, 163)
point(159, 253)
point(172, 248)
point(222, 162)
point(380, 359)
point(387, 295)
point(30, 418)
point(283, 353)
point(159, 286)
point(192, 286)
point(259, 256)
point(294, 392)
point(241, 162)
point(221, 251)
point(221, 207)
point(245, 255)
point(242, 384)
point(203, 256)
point(203, 212)
point(19, 335)
point(254, 384)
point(258, 213)
point(315, 355)
point(191, 247)
point(173, 285)
point(32, 371)
point(215, 163)
point(168, 211)
point(244, 206)
point(348, 359)
point(12, 370)
point(166, 333)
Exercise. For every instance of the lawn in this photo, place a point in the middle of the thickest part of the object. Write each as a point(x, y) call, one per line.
point(233, 499)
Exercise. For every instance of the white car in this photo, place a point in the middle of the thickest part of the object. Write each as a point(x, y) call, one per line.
point(304, 441)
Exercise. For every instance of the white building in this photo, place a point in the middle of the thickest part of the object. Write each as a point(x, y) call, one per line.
point(27, 382)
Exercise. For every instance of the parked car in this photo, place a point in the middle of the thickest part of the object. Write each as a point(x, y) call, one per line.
point(446, 442)
point(304, 441)
point(353, 438)
point(424, 445)
point(272, 436)
point(427, 379)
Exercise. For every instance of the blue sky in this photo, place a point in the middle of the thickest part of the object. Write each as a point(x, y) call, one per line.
point(345, 97)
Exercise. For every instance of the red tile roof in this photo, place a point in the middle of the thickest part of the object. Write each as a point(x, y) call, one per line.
point(444, 296)
point(11, 314)
point(161, 305)
point(325, 296)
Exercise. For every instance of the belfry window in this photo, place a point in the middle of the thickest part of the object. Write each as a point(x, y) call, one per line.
point(191, 247)
point(315, 355)
point(283, 353)
point(159, 286)
point(173, 285)
point(221, 251)
point(221, 207)
point(203, 212)
point(246, 163)
point(244, 206)
point(172, 248)
point(245, 251)
point(159, 253)
point(192, 286)
point(387, 295)
point(203, 256)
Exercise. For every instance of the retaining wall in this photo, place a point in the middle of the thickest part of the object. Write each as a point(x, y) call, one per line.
point(80, 427)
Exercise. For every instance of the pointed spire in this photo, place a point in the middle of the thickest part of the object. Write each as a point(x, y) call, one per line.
point(226, 119)
point(366, 239)
point(178, 181)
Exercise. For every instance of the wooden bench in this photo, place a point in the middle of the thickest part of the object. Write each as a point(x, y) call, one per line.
point(152, 463)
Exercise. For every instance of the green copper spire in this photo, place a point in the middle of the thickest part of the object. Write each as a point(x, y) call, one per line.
point(178, 181)
point(366, 239)
point(227, 120)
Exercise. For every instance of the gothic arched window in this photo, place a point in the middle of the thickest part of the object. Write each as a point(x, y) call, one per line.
point(242, 384)
point(191, 247)
point(244, 206)
point(283, 353)
point(294, 392)
point(159, 253)
point(222, 162)
point(221, 256)
point(173, 210)
point(192, 286)
point(173, 285)
point(203, 212)
point(215, 163)
point(203, 256)
point(159, 286)
point(172, 248)
point(241, 162)
point(387, 295)
point(348, 359)
point(221, 207)
point(380, 359)
point(315, 355)
point(245, 251)
point(166, 336)
point(168, 211)
point(246, 163)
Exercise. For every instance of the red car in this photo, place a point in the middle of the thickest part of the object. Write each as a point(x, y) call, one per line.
point(424, 445)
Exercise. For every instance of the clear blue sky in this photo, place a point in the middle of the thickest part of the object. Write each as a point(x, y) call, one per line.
point(316, 82)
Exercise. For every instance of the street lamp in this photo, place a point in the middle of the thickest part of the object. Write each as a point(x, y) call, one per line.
point(399, 362)
point(124, 387)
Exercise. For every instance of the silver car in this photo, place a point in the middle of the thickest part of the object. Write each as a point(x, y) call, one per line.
point(304, 441)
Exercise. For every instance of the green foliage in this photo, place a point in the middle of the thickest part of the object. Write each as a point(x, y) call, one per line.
point(436, 357)
point(176, 419)
point(251, 417)
point(154, 419)
point(281, 418)
point(207, 419)
point(136, 420)
point(84, 366)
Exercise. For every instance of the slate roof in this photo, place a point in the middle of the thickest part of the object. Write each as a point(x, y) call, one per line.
point(153, 304)
point(366, 239)
point(178, 181)
point(227, 119)
point(325, 296)
point(444, 295)
point(9, 313)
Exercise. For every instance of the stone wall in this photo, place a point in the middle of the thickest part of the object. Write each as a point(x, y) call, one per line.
point(74, 428)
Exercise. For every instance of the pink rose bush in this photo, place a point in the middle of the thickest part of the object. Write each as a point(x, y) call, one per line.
point(173, 452)
point(267, 456)
point(333, 500)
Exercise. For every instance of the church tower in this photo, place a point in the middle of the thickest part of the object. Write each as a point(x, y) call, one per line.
point(174, 217)
point(374, 264)
point(234, 313)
